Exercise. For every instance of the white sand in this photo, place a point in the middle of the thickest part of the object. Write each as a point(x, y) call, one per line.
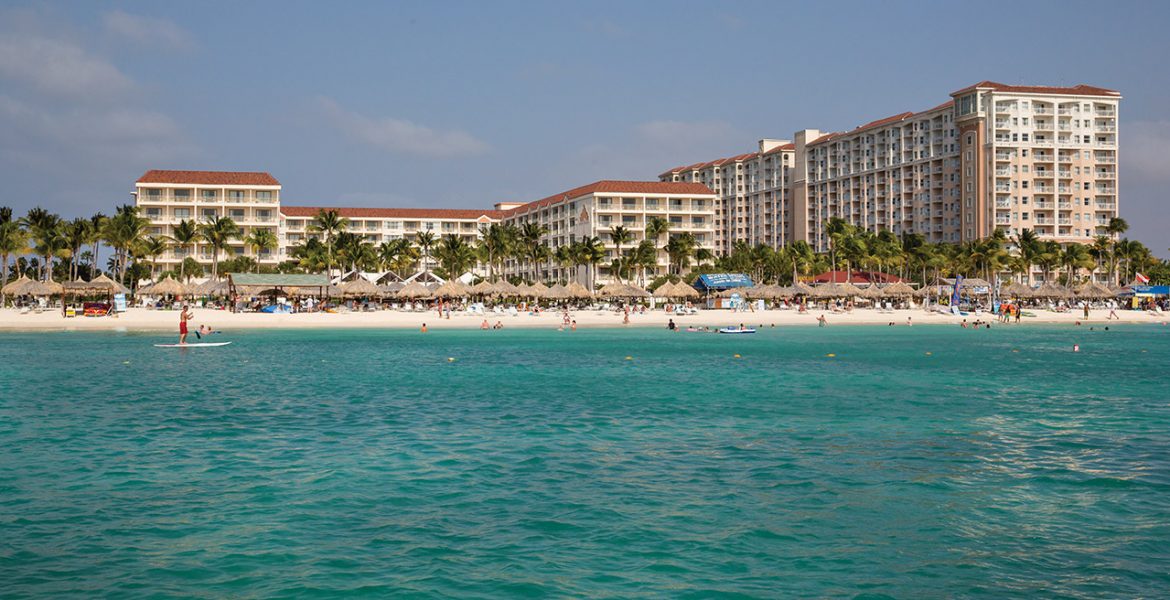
point(139, 319)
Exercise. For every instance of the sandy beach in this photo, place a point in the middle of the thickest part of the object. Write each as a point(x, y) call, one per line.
point(140, 319)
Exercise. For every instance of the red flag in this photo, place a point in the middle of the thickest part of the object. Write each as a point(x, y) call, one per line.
point(1142, 278)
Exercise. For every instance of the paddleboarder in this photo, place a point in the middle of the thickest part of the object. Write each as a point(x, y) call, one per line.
point(184, 316)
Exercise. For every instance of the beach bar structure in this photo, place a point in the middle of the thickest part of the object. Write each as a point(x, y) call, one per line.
point(291, 284)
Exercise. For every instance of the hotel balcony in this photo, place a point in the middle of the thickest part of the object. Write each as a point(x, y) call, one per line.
point(1003, 203)
point(1106, 112)
point(1042, 110)
point(1044, 205)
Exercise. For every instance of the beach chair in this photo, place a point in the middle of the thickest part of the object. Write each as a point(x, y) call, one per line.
point(512, 312)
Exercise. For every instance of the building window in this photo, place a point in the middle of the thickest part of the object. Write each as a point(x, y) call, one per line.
point(208, 195)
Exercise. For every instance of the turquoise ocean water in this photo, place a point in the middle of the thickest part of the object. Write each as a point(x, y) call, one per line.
point(321, 464)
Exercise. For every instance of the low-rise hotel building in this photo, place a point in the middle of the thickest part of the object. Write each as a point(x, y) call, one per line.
point(252, 200)
point(594, 210)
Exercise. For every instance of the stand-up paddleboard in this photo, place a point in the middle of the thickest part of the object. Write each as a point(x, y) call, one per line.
point(197, 345)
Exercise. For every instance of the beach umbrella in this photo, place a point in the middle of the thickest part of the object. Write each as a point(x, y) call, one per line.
point(1017, 289)
point(360, 288)
point(16, 286)
point(414, 290)
point(895, 290)
point(1052, 290)
point(451, 289)
point(872, 292)
point(556, 292)
point(685, 291)
point(165, 287)
point(504, 288)
point(1093, 289)
point(211, 287)
point(576, 290)
point(622, 290)
point(538, 289)
point(391, 288)
point(105, 284)
point(802, 289)
point(782, 291)
point(482, 288)
point(849, 290)
point(665, 290)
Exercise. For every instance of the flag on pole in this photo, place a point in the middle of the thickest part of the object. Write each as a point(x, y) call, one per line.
point(1142, 278)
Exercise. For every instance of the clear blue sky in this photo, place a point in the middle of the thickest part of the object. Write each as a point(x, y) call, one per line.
point(463, 104)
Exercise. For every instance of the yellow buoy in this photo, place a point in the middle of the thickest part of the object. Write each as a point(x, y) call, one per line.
point(737, 356)
point(629, 358)
point(1014, 350)
point(449, 359)
point(831, 355)
point(929, 353)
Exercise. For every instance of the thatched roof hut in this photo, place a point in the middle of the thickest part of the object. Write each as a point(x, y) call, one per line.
point(16, 286)
point(556, 292)
point(576, 290)
point(622, 290)
point(538, 289)
point(899, 289)
point(482, 288)
point(360, 288)
point(1053, 290)
point(413, 291)
point(165, 287)
point(1094, 290)
point(453, 288)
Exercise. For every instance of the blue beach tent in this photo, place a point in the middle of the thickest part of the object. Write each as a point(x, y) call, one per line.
point(722, 281)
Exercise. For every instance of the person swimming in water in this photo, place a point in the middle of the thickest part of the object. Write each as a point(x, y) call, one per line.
point(204, 330)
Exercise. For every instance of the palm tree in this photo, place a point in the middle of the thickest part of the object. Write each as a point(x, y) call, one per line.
point(529, 244)
point(655, 227)
point(1116, 227)
point(1100, 250)
point(97, 227)
point(77, 233)
point(13, 241)
point(425, 241)
point(802, 257)
point(123, 232)
point(679, 249)
point(261, 240)
point(151, 248)
point(620, 235)
point(185, 234)
point(328, 223)
point(45, 233)
point(217, 232)
point(592, 253)
point(1074, 258)
point(1029, 246)
point(455, 255)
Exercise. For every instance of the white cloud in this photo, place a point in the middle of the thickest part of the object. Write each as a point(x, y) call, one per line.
point(58, 68)
point(150, 31)
point(85, 134)
point(401, 136)
point(1146, 146)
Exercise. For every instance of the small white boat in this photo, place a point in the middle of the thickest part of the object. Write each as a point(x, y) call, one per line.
point(737, 330)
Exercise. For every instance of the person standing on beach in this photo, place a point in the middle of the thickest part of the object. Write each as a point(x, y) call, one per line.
point(184, 316)
point(821, 322)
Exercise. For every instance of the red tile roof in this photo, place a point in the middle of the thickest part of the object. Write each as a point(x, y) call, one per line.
point(1076, 90)
point(207, 177)
point(782, 148)
point(392, 213)
point(617, 187)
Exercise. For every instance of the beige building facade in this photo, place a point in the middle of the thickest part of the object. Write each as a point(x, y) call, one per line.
point(993, 157)
point(594, 210)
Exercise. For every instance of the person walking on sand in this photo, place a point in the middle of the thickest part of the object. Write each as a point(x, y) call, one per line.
point(184, 316)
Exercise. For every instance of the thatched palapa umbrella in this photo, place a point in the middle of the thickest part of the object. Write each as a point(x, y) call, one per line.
point(1093, 290)
point(165, 287)
point(576, 290)
point(556, 292)
point(622, 290)
point(538, 289)
point(872, 292)
point(360, 288)
point(452, 289)
point(16, 287)
point(414, 291)
point(503, 288)
point(897, 290)
point(482, 288)
point(105, 284)
point(1054, 291)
